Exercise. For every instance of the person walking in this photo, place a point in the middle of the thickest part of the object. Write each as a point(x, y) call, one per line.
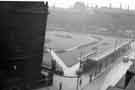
point(60, 86)
point(80, 81)
point(90, 78)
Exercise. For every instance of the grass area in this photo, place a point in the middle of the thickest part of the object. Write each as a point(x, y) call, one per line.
point(98, 22)
point(85, 43)
point(59, 39)
point(89, 21)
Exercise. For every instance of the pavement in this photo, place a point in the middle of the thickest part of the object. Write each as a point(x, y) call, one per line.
point(108, 78)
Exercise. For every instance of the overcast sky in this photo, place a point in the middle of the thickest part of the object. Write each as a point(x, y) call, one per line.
point(115, 3)
point(70, 3)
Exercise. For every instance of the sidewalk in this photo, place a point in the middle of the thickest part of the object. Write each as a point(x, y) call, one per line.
point(109, 78)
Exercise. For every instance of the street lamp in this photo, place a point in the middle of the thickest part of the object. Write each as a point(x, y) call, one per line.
point(78, 76)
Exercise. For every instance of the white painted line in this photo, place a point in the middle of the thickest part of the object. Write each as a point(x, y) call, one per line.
point(58, 60)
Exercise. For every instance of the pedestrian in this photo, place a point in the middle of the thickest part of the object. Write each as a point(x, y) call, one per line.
point(80, 82)
point(60, 86)
point(90, 78)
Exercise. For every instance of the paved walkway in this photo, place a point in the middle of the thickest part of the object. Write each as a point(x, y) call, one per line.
point(108, 78)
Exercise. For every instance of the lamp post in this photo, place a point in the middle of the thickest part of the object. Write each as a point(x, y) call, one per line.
point(77, 82)
point(78, 76)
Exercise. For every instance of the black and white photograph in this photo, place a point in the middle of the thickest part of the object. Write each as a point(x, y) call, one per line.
point(67, 45)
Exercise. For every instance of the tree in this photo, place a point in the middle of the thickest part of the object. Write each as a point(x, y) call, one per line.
point(79, 5)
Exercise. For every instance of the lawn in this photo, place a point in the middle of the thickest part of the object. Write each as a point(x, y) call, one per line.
point(89, 29)
point(86, 43)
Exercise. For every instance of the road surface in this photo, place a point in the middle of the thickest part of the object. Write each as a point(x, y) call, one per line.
point(109, 78)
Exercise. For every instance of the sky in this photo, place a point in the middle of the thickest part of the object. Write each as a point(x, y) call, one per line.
point(100, 3)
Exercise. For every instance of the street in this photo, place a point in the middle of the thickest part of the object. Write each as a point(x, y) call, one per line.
point(108, 78)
